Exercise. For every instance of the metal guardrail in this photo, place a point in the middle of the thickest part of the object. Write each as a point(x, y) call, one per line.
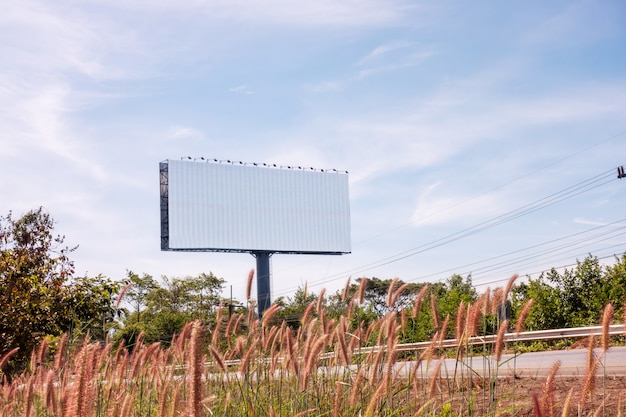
point(575, 332)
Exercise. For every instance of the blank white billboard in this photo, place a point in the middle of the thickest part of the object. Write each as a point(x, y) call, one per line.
point(213, 206)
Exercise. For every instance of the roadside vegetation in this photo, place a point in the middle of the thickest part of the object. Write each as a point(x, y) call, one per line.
point(141, 347)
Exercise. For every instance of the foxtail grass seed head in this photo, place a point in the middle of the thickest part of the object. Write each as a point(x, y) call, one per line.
point(350, 310)
point(589, 383)
point(444, 330)
point(396, 294)
point(474, 319)
point(194, 407)
point(509, 286)
point(320, 301)
point(537, 412)
point(390, 291)
point(547, 397)
point(496, 300)
point(370, 411)
point(486, 301)
point(417, 303)
point(500, 340)
point(404, 320)
point(121, 295)
point(523, 316)
point(607, 315)
point(346, 290)
point(307, 313)
point(433, 311)
point(7, 356)
point(568, 401)
point(434, 378)
point(249, 284)
point(269, 314)
point(356, 387)
point(459, 322)
point(362, 288)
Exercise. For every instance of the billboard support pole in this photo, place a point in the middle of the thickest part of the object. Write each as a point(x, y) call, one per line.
point(263, 281)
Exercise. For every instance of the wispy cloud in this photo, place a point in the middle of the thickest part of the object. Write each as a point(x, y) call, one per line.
point(242, 89)
point(182, 133)
point(340, 13)
point(392, 56)
point(383, 50)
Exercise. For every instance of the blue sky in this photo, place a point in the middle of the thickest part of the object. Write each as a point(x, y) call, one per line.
point(447, 114)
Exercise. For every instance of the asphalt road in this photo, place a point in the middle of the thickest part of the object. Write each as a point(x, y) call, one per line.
point(536, 364)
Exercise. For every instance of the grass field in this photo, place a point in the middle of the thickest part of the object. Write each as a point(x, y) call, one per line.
point(273, 370)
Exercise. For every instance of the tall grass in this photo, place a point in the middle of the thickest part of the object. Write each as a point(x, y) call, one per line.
point(273, 370)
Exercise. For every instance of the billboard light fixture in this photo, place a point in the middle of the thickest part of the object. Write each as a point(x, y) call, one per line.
point(256, 164)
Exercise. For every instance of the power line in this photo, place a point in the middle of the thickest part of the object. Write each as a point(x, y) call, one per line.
point(604, 235)
point(567, 193)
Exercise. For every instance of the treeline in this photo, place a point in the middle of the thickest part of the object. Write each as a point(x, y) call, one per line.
point(42, 299)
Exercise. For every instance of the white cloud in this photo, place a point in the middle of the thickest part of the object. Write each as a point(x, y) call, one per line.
point(383, 50)
point(325, 87)
point(241, 89)
point(339, 13)
point(182, 133)
point(571, 25)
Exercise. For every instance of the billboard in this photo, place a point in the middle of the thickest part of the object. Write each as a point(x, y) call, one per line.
point(225, 206)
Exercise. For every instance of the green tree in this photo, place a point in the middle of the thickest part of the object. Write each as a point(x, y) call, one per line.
point(547, 311)
point(584, 291)
point(377, 290)
point(292, 308)
point(38, 296)
point(161, 310)
point(139, 289)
